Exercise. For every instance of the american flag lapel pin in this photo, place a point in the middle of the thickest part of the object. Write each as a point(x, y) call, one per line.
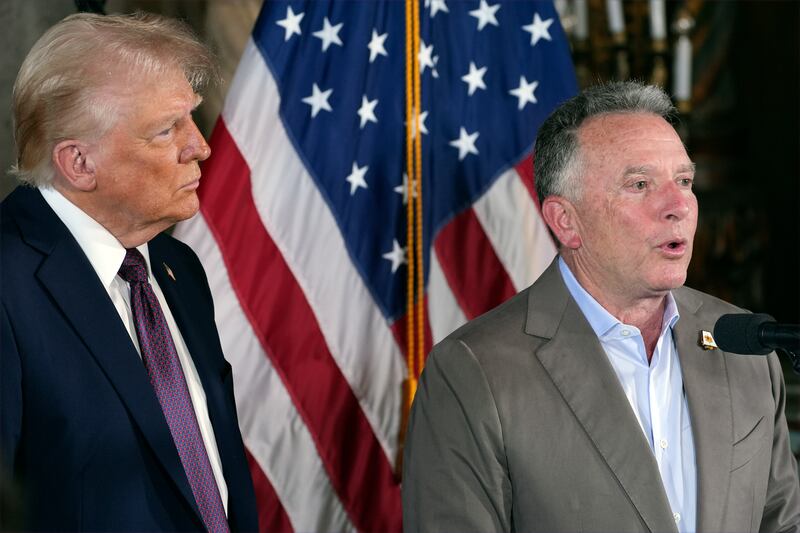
point(707, 340)
point(168, 270)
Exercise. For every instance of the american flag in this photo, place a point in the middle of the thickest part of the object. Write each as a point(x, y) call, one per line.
point(302, 228)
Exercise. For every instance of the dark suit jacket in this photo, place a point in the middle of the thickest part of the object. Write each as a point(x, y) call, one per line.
point(81, 429)
point(520, 424)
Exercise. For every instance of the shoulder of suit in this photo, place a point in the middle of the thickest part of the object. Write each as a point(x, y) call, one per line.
point(179, 257)
point(703, 303)
point(506, 319)
point(166, 244)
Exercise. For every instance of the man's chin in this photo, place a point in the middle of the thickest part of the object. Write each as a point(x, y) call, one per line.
point(189, 208)
point(185, 213)
point(670, 281)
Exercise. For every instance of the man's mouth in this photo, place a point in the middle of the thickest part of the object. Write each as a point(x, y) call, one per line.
point(673, 247)
point(192, 185)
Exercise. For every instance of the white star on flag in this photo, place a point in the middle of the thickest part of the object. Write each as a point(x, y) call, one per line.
point(329, 34)
point(474, 78)
point(524, 92)
point(425, 56)
point(356, 178)
point(403, 189)
point(538, 29)
point(465, 143)
point(397, 256)
point(367, 111)
point(318, 100)
point(438, 5)
point(376, 46)
point(291, 23)
point(485, 14)
point(422, 127)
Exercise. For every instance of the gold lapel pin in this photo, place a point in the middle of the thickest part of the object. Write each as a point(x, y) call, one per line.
point(169, 271)
point(707, 340)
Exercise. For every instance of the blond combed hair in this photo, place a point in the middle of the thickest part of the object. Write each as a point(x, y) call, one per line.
point(60, 91)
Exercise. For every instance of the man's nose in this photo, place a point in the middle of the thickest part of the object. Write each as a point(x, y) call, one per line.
point(676, 202)
point(196, 148)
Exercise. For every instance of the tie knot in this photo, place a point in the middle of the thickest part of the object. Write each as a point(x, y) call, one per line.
point(134, 267)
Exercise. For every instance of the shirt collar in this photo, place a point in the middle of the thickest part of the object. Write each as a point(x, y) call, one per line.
point(599, 319)
point(104, 251)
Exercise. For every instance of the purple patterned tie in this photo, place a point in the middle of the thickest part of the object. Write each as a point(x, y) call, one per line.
point(166, 375)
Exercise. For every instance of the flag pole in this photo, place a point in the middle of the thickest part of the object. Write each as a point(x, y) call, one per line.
point(416, 195)
point(415, 337)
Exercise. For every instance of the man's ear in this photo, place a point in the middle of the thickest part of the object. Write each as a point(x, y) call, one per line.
point(560, 216)
point(73, 162)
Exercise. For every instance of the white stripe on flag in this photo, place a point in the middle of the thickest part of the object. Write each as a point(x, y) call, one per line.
point(272, 429)
point(304, 230)
point(444, 313)
point(515, 228)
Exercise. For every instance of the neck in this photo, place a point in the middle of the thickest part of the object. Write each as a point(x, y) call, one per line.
point(135, 237)
point(644, 312)
point(127, 232)
point(648, 318)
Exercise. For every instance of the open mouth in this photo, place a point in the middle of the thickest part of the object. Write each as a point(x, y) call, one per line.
point(674, 247)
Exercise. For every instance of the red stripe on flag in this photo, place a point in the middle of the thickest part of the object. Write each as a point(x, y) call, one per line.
point(475, 274)
point(525, 170)
point(288, 330)
point(272, 517)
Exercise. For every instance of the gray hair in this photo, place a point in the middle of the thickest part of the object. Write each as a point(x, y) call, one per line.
point(556, 155)
point(58, 94)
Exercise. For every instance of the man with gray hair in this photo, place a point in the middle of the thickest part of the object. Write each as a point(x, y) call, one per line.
point(596, 400)
point(116, 404)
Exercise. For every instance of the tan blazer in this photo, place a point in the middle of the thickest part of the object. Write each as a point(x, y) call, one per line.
point(520, 424)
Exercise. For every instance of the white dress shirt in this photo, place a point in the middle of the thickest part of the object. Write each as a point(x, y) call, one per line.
point(105, 253)
point(655, 392)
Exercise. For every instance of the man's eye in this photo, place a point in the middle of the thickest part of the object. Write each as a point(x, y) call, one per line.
point(165, 132)
point(640, 185)
point(686, 182)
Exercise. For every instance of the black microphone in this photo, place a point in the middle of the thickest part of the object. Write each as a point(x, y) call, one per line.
point(755, 334)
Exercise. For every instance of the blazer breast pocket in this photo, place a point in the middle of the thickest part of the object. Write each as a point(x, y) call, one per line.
point(748, 446)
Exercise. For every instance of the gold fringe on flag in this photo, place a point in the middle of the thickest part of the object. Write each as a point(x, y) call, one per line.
point(415, 301)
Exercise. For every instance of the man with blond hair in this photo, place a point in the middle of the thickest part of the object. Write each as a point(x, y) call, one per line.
point(116, 403)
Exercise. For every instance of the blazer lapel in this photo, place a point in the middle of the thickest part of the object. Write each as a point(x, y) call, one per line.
point(182, 292)
point(705, 380)
point(580, 369)
point(75, 288)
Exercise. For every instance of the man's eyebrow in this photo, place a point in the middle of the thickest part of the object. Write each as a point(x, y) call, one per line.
point(647, 169)
point(641, 169)
point(172, 117)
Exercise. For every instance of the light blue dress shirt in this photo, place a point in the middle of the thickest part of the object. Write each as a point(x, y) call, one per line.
point(655, 392)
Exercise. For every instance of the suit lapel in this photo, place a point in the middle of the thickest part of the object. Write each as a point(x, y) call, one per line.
point(581, 371)
point(74, 286)
point(185, 302)
point(705, 380)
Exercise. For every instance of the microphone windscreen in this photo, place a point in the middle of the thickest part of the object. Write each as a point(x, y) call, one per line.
point(739, 333)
